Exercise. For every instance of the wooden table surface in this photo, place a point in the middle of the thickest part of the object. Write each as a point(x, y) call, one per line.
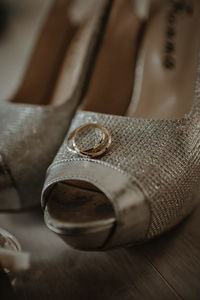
point(166, 268)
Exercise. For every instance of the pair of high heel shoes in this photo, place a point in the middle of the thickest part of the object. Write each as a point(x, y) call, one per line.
point(128, 169)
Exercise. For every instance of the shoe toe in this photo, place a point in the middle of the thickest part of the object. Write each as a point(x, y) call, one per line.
point(92, 211)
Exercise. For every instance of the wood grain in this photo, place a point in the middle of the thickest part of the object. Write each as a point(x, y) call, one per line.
point(166, 268)
point(177, 256)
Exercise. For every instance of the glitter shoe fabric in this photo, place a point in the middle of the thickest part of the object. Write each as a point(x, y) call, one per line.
point(29, 138)
point(161, 156)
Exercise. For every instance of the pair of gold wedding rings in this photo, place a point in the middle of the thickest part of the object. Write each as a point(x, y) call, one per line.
point(97, 150)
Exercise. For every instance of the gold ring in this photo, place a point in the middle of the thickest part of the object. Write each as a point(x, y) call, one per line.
point(98, 149)
point(74, 132)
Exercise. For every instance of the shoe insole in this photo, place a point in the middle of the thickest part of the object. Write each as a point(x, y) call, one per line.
point(168, 60)
point(73, 63)
point(81, 203)
point(56, 54)
point(40, 75)
point(25, 20)
point(80, 213)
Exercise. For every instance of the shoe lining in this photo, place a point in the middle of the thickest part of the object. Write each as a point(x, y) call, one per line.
point(111, 81)
point(79, 202)
point(167, 65)
point(54, 67)
point(53, 40)
point(25, 19)
point(166, 62)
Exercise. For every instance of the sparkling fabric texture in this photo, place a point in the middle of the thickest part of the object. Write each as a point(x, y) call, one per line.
point(162, 156)
point(29, 138)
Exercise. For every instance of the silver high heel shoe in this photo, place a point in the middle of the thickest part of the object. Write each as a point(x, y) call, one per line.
point(129, 168)
point(36, 113)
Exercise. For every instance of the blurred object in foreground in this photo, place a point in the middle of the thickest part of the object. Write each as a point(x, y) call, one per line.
point(4, 15)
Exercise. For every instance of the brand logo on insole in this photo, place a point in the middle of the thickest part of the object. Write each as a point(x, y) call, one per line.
point(177, 7)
